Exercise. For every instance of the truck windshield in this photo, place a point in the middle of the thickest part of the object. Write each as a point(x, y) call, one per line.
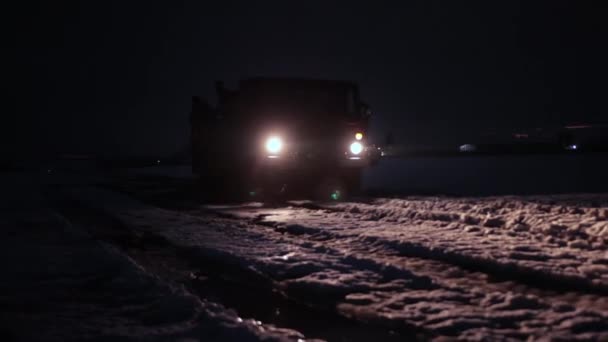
point(307, 101)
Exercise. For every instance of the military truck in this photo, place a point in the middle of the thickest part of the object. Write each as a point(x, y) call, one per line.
point(273, 136)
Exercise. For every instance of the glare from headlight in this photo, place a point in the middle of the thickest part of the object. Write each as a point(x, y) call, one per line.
point(358, 135)
point(274, 145)
point(356, 147)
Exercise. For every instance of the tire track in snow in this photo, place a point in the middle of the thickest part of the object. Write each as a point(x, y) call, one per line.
point(207, 273)
point(427, 262)
point(452, 284)
point(448, 307)
point(523, 261)
point(237, 246)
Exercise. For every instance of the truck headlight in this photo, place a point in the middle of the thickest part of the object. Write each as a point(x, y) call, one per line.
point(356, 148)
point(274, 145)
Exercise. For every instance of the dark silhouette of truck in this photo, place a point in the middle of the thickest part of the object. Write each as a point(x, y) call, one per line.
point(273, 135)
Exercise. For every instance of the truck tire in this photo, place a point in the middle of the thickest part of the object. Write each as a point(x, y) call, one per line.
point(352, 181)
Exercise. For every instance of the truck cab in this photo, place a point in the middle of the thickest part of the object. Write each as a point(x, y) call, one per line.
point(275, 133)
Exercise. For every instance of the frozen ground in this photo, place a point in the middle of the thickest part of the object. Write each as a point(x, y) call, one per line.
point(471, 268)
point(133, 258)
point(60, 284)
point(492, 175)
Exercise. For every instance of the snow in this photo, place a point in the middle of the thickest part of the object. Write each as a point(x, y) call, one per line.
point(471, 268)
point(60, 284)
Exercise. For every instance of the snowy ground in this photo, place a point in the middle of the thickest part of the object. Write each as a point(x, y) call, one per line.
point(61, 284)
point(132, 258)
point(472, 268)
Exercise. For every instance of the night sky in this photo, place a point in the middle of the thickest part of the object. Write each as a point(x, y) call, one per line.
point(116, 77)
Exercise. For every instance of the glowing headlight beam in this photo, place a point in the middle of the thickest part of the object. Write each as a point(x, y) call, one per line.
point(274, 145)
point(356, 148)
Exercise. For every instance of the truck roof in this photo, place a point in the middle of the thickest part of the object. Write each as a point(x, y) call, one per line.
point(278, 81)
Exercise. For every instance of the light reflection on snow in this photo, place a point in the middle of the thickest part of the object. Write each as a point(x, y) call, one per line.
point(402, 259)
point(287, 256)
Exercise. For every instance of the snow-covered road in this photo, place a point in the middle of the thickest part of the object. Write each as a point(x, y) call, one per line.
point(471, 268)
point(60, 283)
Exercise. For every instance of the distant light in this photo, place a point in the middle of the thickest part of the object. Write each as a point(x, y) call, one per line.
point(579, 126)
point(358, 135)
point(356, 147)
point(572, 147)
point(158, 162)
point(467, 148)
point(274, 144)
point(335, 195)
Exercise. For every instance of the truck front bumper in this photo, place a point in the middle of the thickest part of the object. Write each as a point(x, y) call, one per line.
point(281, 163)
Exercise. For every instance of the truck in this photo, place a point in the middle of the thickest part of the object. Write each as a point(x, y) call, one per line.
point(275, 136)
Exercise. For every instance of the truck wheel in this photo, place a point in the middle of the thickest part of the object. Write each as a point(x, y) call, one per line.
point(339, 186)
point(221, 186)
point(352, 181)
point(211, 186)
point(270, 193)
point(332, 188)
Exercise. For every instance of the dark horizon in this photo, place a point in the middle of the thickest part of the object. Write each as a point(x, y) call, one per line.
point(117, 78)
